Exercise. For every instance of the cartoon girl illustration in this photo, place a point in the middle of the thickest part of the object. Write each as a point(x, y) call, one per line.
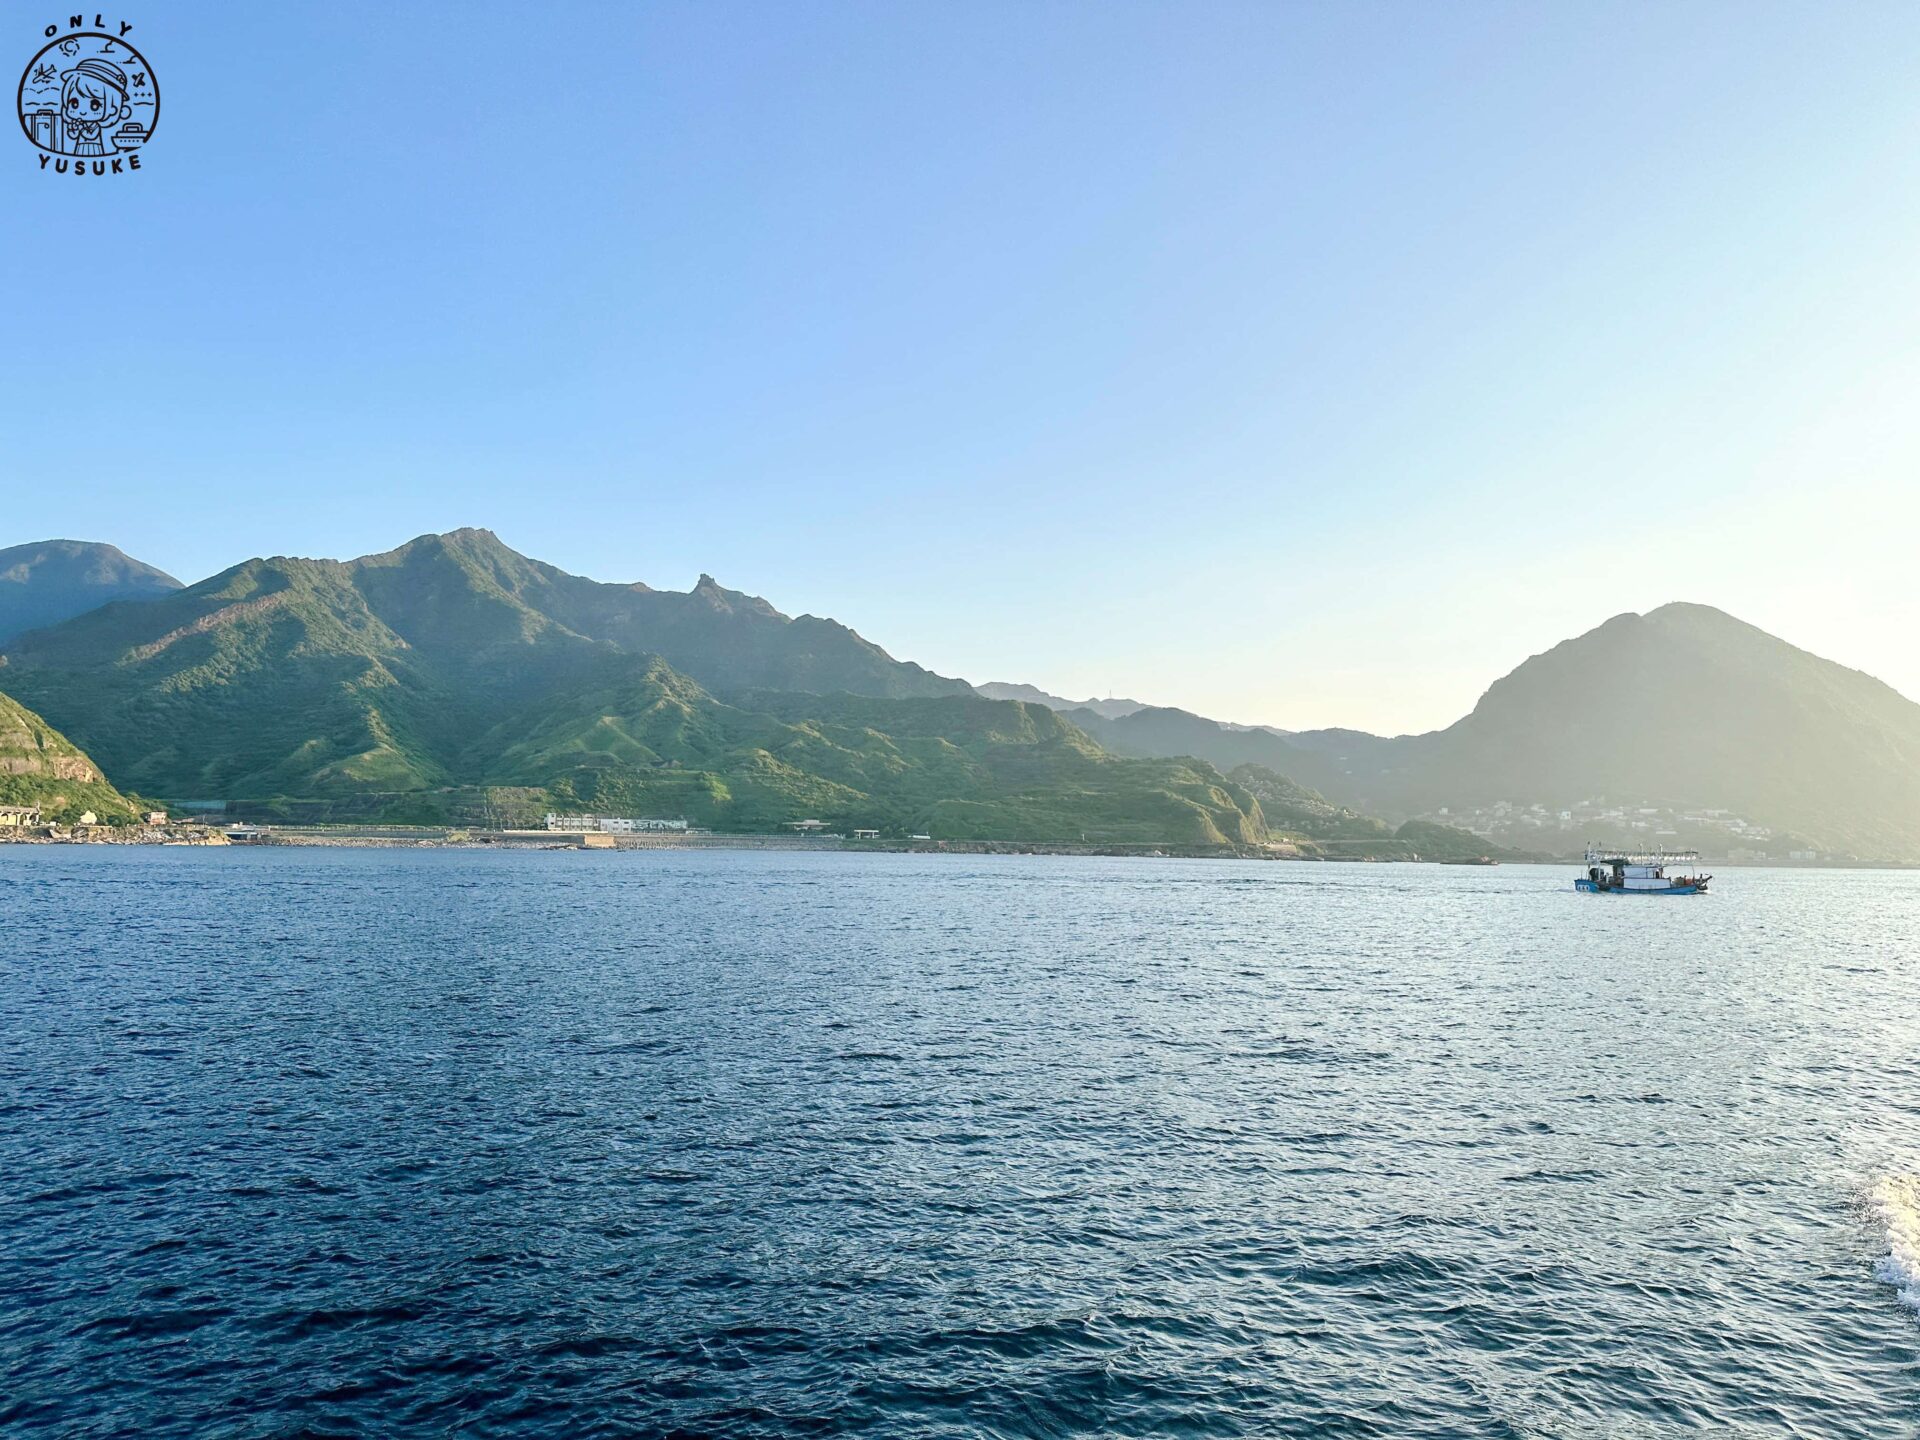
point(92, 101)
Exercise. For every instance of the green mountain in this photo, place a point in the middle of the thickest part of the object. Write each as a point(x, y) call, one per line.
point(310, 677)
point(403, 684)
point(1317, 826)
point(1162, 730)
point(651, 741)
point(1684, 711)
point(53, 580)
point(453, 672)
point(40, 766)
point(1111, 708)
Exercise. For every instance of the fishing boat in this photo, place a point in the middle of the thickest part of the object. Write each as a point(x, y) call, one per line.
point(1623, 872)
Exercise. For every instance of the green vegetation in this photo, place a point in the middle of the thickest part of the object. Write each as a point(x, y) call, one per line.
point(961, 767)
point(1316, 826)
point(40, 766)
point(315, 677)
point(438, 680)
point(453, 680)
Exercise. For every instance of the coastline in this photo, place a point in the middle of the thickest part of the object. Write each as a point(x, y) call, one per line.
point(453, 838)
point(425, 838)
point(393, 837)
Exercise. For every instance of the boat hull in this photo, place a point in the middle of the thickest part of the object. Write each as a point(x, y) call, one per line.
point(1587, 887)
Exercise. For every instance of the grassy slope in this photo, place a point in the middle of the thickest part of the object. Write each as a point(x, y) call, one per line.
point(962, 767)
point(272, 677)
point(446, 664)
point(40, 766)
point(1308, 818)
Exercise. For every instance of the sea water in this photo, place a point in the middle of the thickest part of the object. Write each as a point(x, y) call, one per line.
point(393, 1142)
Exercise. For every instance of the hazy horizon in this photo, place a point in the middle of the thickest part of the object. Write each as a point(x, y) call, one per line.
point(1291, 365)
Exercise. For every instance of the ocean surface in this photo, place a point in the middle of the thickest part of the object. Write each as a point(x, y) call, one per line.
point(411, 1143)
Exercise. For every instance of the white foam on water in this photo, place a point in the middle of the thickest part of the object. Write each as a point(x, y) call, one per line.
point(1896, 1201)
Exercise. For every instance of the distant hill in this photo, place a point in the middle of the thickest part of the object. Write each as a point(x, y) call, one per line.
point(1110, 709)
point(1162, 730)
point(40, 766)
point(384, 685)
point(1684, 708)
point(49, 581)
point(1319, 827)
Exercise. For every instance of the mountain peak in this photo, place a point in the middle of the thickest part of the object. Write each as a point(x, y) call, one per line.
point(1691, 610)
point(472, 540)
point(466, 538)
point(1694, 710)
point(47, 581)
point(711, 592)
point(95, 558)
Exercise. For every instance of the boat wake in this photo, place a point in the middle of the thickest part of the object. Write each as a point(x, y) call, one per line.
point(1896, 1201)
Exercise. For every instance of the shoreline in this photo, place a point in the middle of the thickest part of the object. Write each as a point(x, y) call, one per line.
point(425, 838)
point(398, 837)
point(455, 838)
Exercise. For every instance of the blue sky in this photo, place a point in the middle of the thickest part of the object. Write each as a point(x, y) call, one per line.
point(1307, 364)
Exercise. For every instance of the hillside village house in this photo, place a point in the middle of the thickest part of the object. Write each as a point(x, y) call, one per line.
point(19, 817)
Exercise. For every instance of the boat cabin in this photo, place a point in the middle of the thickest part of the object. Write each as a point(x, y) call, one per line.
point(1619, 871)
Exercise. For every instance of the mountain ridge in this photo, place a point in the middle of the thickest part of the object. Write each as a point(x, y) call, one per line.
point(452, 660)
point(452, 663)
point(1684, 709)
point(1111, 708)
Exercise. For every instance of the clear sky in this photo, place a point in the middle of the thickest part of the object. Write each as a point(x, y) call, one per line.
point(1308, 364)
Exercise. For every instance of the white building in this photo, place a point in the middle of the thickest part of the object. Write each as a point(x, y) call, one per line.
point(611, 824)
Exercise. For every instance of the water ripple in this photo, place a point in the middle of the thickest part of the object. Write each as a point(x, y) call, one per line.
point(340, 1143)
